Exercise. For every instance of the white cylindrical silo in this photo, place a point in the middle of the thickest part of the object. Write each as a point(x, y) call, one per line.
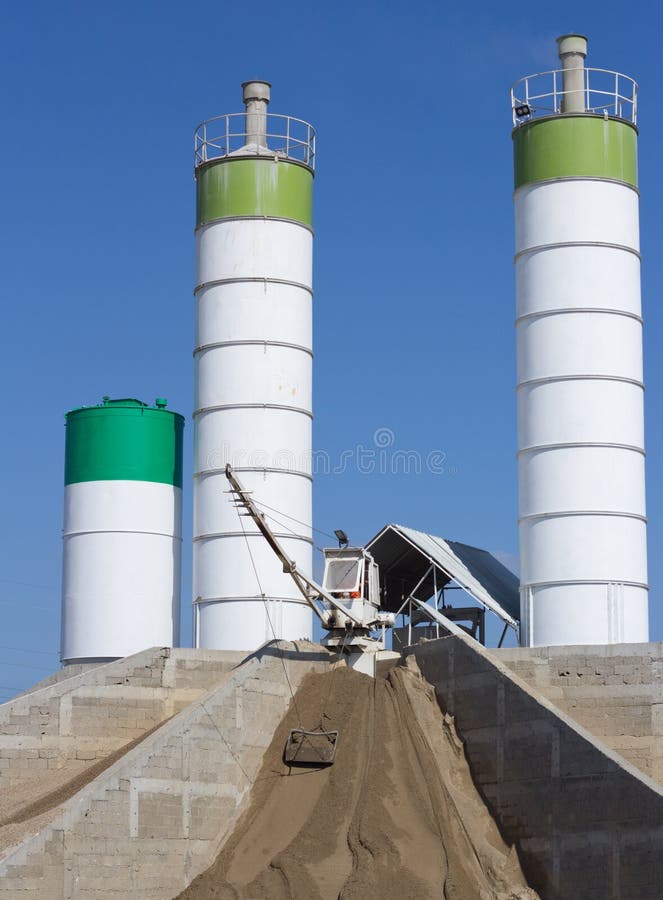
point(581, 463)
point(122, 532)
point(253, 369)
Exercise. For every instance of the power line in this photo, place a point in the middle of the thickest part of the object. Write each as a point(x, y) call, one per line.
point(43, 587)
point(30, 650)
point(24, 666)
point(33, 605)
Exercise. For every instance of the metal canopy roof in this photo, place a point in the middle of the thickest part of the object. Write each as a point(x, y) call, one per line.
point(404, 556)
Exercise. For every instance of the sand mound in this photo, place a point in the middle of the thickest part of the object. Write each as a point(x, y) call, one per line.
point(396, 816)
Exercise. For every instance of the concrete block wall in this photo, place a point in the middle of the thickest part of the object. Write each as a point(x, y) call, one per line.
point(586, 822)
point(59, 675)
point(615, 691)
point(73, 721)
point(158, 817)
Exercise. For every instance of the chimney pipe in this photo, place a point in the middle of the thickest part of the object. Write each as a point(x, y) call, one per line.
point(572, 49)
point(255, 95)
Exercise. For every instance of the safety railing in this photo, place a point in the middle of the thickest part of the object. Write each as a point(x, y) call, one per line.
point(285, 137)
point(603, 93)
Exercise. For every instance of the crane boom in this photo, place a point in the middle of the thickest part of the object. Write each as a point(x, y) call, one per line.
point(309, 589)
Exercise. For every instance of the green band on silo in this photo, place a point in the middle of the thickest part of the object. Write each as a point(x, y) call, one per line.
point(124, 440)
point(581, 146)
point(254, 187)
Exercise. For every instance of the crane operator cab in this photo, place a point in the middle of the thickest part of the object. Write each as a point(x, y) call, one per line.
point(351, 577)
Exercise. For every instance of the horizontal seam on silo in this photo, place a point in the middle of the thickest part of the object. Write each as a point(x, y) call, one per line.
point(242, 598)
point(223, 406)
point(569, 513)
point(537, 182)
point(66, 534)
point(251, 279)
point(550, 379)
point(275, 470)
point(534, 448)
point(579, 309)
point(219, 219)
point(531, 584)
point(214, 535)
point(284, 344)
point(560, 245)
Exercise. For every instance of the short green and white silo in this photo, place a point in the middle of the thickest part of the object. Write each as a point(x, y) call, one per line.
point(122, 532)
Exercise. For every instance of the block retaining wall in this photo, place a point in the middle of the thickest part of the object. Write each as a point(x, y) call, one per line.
point(79, 719)
point(586, 822)
point(157, 818)
point(616, 692)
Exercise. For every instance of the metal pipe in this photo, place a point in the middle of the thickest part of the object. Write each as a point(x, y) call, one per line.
point(255, 95)
point(572, 49)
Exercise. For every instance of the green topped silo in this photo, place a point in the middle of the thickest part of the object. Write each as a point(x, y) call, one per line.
point(581, 460)
point(122, 529)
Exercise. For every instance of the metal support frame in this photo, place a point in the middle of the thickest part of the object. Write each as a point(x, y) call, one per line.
point(505, 618)
point(415, 589)
point(478, 620)
point(436, 616)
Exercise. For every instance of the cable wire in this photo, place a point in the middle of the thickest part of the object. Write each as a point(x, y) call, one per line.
point(228, 747)
point(292, 518)
point(287, 527)
point(269, 618)
point(323, 714)
point(325, 704)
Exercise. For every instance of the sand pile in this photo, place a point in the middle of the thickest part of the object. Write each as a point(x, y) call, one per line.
point(396, 816)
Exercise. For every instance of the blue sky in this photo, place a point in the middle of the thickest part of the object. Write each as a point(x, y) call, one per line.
point(413, 269)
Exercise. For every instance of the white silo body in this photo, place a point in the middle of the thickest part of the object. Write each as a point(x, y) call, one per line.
point(122, 533)
point(581, 459)
point(253, 370)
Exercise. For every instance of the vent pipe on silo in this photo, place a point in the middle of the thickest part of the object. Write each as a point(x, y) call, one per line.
point(255, 95)
point(572, 50)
